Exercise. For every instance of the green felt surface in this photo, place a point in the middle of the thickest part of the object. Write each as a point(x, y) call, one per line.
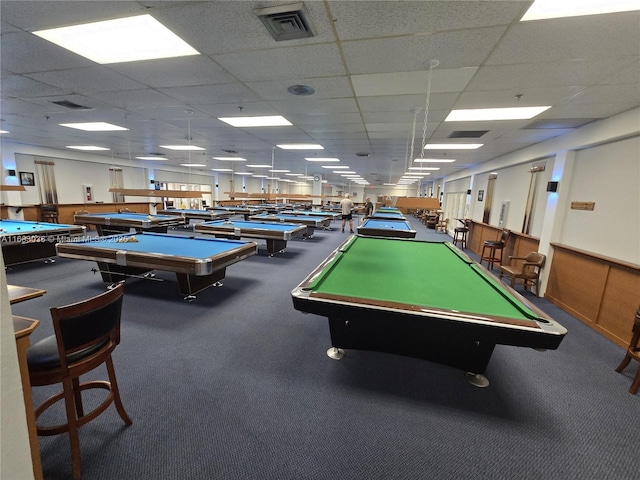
point(430, 275)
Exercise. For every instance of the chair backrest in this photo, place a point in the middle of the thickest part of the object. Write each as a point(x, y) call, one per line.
point(49, 208)
point(125, 210)
point(504, 235)
point(81, 212)
point(534, 262)
point(89, 326)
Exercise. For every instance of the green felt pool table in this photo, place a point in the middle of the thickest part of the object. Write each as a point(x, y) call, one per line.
point(420, 299)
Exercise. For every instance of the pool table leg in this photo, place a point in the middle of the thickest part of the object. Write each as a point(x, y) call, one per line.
point(191, 284)
point(275, 246)
point(310, 232)
point(422, 339)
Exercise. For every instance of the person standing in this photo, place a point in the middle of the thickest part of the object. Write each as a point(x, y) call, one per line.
point(368, 208)
point(346, 206)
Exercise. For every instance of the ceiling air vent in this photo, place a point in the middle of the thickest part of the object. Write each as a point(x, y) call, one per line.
point(286, 22)
point(468, 133)
point(71, 105)
point(230, 151)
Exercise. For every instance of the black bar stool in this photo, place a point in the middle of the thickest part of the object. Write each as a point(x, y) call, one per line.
point(460, 234)
point(491, 248)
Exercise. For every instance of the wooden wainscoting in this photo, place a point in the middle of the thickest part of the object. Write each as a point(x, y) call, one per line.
point(602, 292)
point(518, 244)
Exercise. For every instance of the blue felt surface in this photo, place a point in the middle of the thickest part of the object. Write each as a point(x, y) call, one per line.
point(163, 244)
point(248, 225)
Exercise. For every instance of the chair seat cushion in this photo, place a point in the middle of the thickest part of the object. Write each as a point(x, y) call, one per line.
point(493, 243)
point(43, 354)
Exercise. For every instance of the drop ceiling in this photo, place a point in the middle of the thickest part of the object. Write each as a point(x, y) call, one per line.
point(368, 64)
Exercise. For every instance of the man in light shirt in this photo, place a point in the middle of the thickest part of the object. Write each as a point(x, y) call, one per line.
point(346, 205)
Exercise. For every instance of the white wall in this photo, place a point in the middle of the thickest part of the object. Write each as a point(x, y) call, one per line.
point(608, 175)
point(606, 170)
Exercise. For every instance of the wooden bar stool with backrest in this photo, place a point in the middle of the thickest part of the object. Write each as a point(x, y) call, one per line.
point(633, 352)
point(49, 213)
point(460, 234)
point(491, 249)
point(527, 269)
point(442, 225)
point(85, 335)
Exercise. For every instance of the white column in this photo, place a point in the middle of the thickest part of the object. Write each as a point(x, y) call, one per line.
point(557, 204)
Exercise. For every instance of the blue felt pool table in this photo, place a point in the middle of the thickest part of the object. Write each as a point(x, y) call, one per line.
point(195, 214)
point(114, 222)
point(24, 241)
point(276, 234)
point(310, 222)
point(389, 215)
point(374, 227)
point(246, 210)
point(198, 262)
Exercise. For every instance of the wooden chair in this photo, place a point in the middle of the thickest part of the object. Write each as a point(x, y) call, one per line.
point(442, 225)
point(460, 234)
point(527, 269)
point(491, 249)
point(125, 210)
point(633, 352)
point(85, 334)
point(49, 213)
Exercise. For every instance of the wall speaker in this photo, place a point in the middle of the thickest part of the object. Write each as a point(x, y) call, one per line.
point(552, 186)
point(11, 173)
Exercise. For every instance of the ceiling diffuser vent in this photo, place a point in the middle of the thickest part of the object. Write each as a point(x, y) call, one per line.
point(468, 133)
point(71, 105)
point(286, 22)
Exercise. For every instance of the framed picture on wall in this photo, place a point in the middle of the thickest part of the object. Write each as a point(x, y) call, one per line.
point(27, 179)
point(480, 195)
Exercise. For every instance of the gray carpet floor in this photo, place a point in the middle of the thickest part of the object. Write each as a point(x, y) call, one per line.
point(237, 385)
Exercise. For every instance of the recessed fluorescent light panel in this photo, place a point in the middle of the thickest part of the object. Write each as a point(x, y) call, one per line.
point(222, 170)
point(266, 121)
point(182, 147)
point(86, 147)
point(301, 146)
point(434, 160)
point(3, 131)
point(491, 114)
point(320, 159)
point(160, 159)
point(424, 168)
point(335, 166)
point(94, 126)
point(193, 164)
point(452, 146)
point(122, 40)
point(259, 165)
point(230, 159)
point(542, 9)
